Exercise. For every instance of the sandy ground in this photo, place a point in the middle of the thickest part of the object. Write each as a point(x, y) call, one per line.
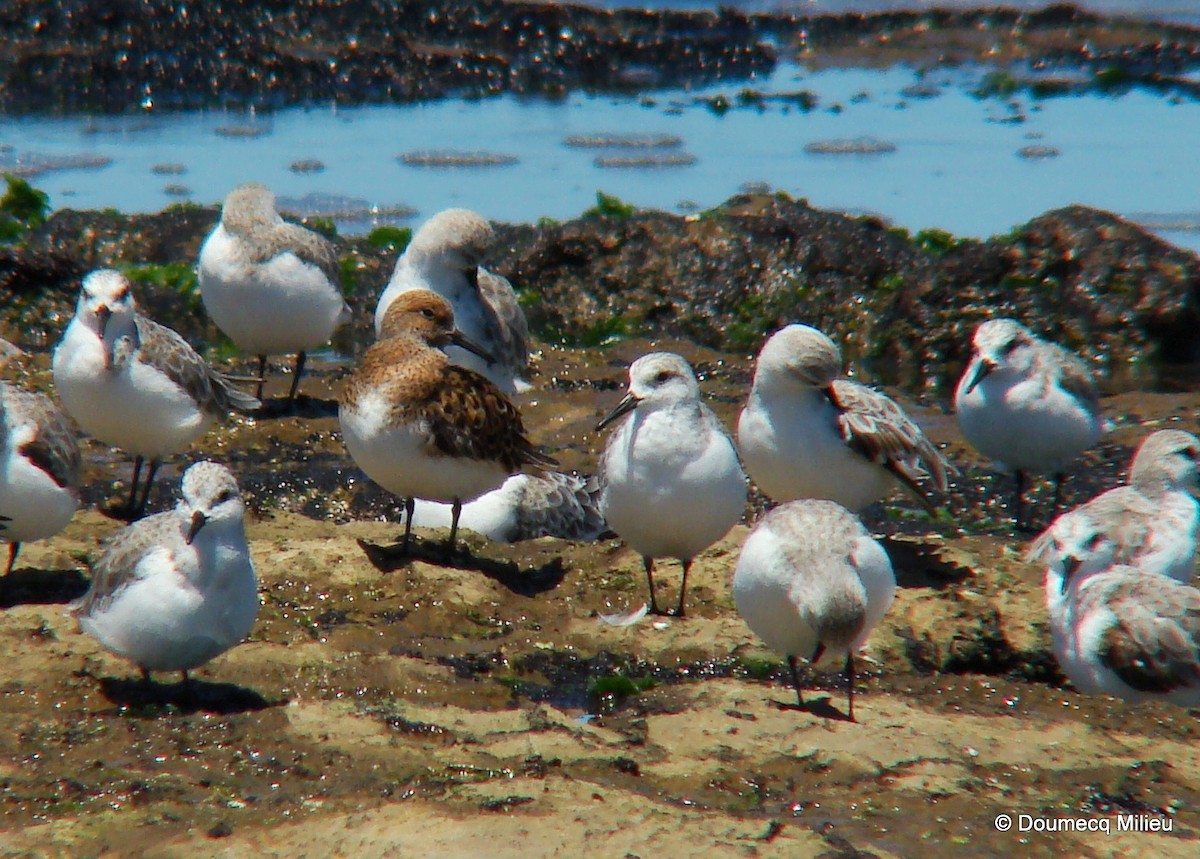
point(393, 709)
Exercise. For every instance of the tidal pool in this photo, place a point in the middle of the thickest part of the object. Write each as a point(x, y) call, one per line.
point(959, 162)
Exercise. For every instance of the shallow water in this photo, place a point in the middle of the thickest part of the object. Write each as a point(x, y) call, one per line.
point(955, 165)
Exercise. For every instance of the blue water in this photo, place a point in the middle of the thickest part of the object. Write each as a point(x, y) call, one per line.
point(955, 165)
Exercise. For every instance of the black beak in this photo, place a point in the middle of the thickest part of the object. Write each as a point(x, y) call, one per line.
point(628, 403)
point(472, 274)
point(461, 340)
point(981, 372)
point(104, 313)
point(1070, 566)
point(199, 520)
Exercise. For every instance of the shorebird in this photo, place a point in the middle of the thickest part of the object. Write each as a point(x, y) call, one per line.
point(1117, 630)
point(1152, 522)
point(133, 383)
point(444, 257)
point(270, 286)
point(524, 507)
point(671, 482)
point(805, 433)
point(1027, 404)
point(422, 427)
point(39, 469)
point(176, 589)
point(811, 582)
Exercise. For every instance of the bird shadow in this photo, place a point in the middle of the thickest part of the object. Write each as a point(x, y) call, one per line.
point(918, 565)
point(819, 707)
point(151, 699)
point(31, 586)
point(303, 406)
point(528, 582)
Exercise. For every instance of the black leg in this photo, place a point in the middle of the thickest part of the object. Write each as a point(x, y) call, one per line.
point(131, 508)
point(791, 661)
point(1059, 478)
point(262, 375)
point(687, 565)
point(1018, 500)
point(850, 684)
point(147, 680)
point(154, 464)
point(410, 506)
point(14, 549)
point(455, 512)
point(648, 563)
point(296, 377)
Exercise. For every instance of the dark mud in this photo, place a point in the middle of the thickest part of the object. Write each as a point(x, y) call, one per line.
point(128, 55)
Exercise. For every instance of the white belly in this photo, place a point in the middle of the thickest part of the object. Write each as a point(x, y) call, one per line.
point(37, 507)
point(400, 459)
point(135, 408)
point(792, 450)
point(285, 305)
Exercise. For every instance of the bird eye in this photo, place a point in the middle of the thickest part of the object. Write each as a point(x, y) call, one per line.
point(427, 312)
point(1095, 541)
point(1009, 347)
point(662, 376)
point(226, 495)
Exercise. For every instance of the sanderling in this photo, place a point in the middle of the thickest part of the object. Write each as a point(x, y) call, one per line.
point(444, 256)
point(804, 433)
point(39, 468)
point(524, 507)
point(422, 427)
point(671, 484)
point(1152, 522)
point(176, 589)
point(271, 286)
point(133, 383)
point(1118, 630)
point(1027, 404)
point(811, 581)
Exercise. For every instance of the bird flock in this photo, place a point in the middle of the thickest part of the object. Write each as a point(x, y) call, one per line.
point(426, 413)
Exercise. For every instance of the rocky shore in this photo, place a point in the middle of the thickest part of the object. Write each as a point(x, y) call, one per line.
point(131, 55)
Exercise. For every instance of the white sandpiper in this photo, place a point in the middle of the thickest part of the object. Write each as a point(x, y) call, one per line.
point(39, 468)
point(671, 484)
point(178, 588)
point(805, 433)
point(524, 507)
point(444, 257)
point(422, 427)
point(133, 383)
point(1117, 630)
point(270, 286)
point(1152, 522)
point(1027, 404)
point(811, 582)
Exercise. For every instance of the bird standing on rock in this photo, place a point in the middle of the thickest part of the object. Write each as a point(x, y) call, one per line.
point(420, 426)
point(671, 484)
point(270, 286)
point(135, 384)
point(1027, 404)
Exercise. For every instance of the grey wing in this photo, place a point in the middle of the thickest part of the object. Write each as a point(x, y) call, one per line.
point(55, 446)
point(166, 350)
point(1126, 516)
point(121, 555)
point(1073, 374)
point(554, 504)
point(874, 425)
point(1154, 646)
point(498, 294)
point(312, 248)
